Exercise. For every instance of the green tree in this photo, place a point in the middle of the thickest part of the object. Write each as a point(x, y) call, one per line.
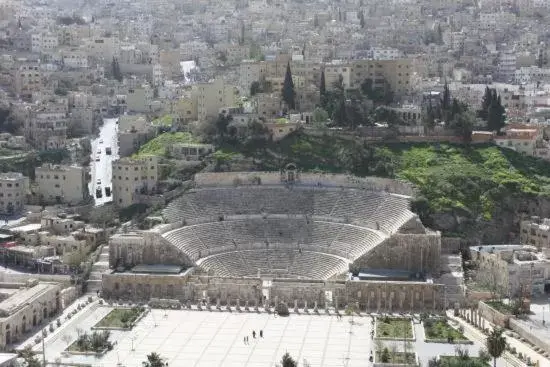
point(320, 115)
point(496, 117)
point(28, 355)
point(428, 117)
point(289, 94)
point(322, 85)
point(483, 112)
point(288, 361)
point(446, 103)
point(496, 344)
point(153, 360)
point(463, 125)
point(117, 74)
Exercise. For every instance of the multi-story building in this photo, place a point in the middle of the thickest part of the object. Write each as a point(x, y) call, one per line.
point(139, 98)
point(44, 42)
point(61, 184)
point(14, 188)
point(397, 74)
point(250, 71)
point(535, 232)
point(132, 178)
point(213, 96)
point(509, 270)
point(27, 79)
point(27, 307)
point(46, 130)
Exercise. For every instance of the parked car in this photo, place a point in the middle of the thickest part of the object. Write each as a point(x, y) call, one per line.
point(108, 191)
point(108, 151)
point(98, 193)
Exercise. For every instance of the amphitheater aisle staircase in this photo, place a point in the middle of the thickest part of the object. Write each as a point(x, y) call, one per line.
point(452, 277)
point(101, 266)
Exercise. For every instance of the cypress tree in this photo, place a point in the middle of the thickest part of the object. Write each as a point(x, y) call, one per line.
point(289, 94)
point(495, 113)
point(483, 113)
point(322, 86)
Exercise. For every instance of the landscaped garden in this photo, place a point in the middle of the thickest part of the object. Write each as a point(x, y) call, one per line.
point(120, 318)
point(387, 356)
point(97, 342)
point(440, 330)
point(394, 328)
point(501, 307)
point(459, 361)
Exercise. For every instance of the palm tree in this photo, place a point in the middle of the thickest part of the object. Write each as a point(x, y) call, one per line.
point(153, 360)
point(287, 361)
point(496, 344)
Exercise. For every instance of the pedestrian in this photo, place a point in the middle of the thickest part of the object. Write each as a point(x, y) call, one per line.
point(244, 339)
point(261, 333)
point(254, 334)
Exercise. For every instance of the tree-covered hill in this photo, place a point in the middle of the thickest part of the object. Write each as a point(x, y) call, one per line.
point(474, 191)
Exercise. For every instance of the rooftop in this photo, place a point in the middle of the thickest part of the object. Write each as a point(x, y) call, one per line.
point(23, 297)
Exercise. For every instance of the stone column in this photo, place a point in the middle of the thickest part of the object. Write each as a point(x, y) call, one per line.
point(238, 307)
point(315, 308)
point(246, 308)
point(296, 306)
point(305, 307)
point(218, 305)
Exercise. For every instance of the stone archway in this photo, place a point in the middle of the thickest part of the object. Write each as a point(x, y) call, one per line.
point(34, 319)
point(24, 325)
point(45, 313)
point(8, 334)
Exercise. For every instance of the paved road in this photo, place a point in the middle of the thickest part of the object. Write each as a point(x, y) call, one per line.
point(102, 170)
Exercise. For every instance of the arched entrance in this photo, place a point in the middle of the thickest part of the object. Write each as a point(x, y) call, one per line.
point(8, 334)
point(34, 318)
point(45, 313)
point(24, 325)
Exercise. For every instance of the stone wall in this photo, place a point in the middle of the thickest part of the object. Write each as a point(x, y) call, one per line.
point(128, 250)
point(207, 179)
point(367, 295)
point(525, 331)
point(492, 315)
point(414, 252)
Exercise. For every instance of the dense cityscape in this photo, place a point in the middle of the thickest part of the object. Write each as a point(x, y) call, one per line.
point(275, 183)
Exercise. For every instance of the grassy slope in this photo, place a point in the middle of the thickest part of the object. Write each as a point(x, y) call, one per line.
point(157, 146)
point(472, 180)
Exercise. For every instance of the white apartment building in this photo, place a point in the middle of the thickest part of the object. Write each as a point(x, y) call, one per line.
point(61, 184)
point(132, 178)
point(13, 192)
point(213, 96)
point(75, 59)
point(47, 130)
point(507, 65)
point(377, 53)
point(44, 42)
point(139, 98)
point(531, 74)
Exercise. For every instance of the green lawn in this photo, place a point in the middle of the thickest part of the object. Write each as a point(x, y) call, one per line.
point(157, 146)
point(456, 361)
point(396, 328)
point(440, 329)
point(387, 356)
point(501, 307)
point(120, 317)
point(165, 120)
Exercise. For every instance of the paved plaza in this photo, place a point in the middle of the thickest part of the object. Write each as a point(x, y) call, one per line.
point(203, 338)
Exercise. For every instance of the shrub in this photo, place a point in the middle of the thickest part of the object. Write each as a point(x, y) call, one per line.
point(282, 309)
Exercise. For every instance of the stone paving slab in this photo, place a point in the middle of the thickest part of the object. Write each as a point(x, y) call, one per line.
point(194, 338)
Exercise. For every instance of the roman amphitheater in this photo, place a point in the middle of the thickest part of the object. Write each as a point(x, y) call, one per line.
point(307, 240)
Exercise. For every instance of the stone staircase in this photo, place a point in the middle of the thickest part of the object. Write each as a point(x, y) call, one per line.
point(452, 277)
point(100, 267)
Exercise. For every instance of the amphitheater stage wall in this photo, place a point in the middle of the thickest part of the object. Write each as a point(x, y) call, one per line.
point(371, 296)
point(413, 252)
point(208, 179)
point(130, 249)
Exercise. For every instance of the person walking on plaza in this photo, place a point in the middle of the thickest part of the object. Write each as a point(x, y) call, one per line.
point(254, 334)
point(261, 333)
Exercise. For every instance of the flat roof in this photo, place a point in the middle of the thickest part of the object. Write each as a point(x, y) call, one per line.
point(157, 269)
point(23, 297)
point(27, 227)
